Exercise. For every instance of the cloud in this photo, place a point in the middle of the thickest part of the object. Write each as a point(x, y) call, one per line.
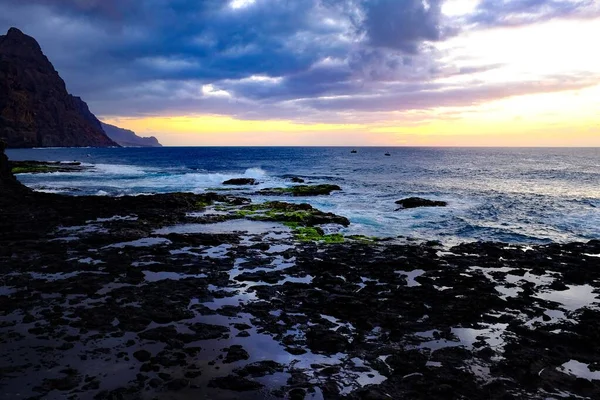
point(403, 97)
point(294, 59)
point(403, 24)
point(498, 13)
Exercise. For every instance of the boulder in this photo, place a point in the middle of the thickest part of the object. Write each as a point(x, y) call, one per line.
point(414, 202)
point(240, 181)
point(235, 353)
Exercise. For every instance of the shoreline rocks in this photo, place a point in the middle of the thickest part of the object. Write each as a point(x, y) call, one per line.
point(100, 281)
point(39, 167)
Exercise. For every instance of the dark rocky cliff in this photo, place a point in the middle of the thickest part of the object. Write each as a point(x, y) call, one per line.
point(127, 138)
point(35, 108)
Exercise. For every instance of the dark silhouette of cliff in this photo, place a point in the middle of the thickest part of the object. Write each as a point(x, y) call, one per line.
point(35, 108)
point(127, 138)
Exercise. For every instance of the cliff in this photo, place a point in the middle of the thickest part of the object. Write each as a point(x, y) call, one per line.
point(35, 108)
point(127, 138)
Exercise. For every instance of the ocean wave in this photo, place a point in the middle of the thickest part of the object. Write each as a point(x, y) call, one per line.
point(118, 169)
point(54, 190)
point(256, 173)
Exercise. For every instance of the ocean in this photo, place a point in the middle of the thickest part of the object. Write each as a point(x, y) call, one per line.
point(513, 195)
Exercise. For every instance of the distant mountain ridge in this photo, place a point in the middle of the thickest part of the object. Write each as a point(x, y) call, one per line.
point(35, 108)
point(127, 138)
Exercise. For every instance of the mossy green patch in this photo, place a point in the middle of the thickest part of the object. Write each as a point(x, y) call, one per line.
point(203, 203)
point(333, 238)
point(41, 167)
point(279, 211)
point(300, 217)
point(33, 169)
point(316, 234)
point(246, 213)
point(308, 234)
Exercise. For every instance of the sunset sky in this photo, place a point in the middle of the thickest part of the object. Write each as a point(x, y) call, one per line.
point(329, 72)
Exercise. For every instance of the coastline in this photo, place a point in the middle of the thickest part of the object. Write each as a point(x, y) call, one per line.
point(543, 197)
point(183, 295)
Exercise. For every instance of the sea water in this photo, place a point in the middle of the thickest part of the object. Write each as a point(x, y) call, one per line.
point(515, 195)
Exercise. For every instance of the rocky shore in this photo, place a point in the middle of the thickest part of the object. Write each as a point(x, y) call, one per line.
point(183, 296)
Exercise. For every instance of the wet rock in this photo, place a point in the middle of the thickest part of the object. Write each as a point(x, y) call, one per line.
point(454, 356)
point(69, 382)
point(235, 353)
point(326, 341)
point(193, 374)
point(330, 389)
point(142, 355)
point(155, 382)
point(164, 376)
point(260, 276)
point(168, 358)
point(302, 214)
point(260, 368)
point(486, 353)
point(558, 285)
point(301, 190)
point(177, 384)
point(241, 326)
point(414, 202)
point(235, 383)
point(407, 362)
point(297, 394)
point(297, 351)
point(240, 181)
point(371, 394)
point(160, 334)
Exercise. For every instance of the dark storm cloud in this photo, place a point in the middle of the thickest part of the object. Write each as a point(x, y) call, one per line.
point(403, 24)
point(265, 59)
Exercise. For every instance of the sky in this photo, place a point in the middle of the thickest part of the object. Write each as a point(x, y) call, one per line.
point(329, 72)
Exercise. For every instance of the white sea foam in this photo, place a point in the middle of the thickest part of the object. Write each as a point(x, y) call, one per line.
point(118, 169)
point(256, 173)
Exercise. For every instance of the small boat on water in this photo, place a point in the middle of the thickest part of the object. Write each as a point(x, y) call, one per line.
point(354, 151)
point(387, 154)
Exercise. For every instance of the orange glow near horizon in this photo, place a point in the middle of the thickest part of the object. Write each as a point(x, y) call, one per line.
point(548, 57)
point(567, 118)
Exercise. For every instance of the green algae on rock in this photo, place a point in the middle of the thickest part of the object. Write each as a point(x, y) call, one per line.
point(302, 214)
point(315, 234)
point(42, 167)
